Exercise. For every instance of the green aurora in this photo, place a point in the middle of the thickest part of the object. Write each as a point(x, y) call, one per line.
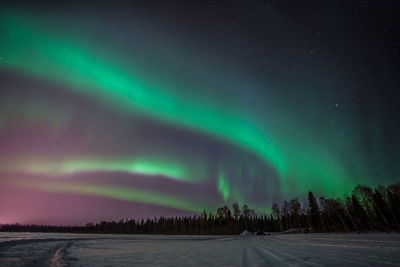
point(303, 157)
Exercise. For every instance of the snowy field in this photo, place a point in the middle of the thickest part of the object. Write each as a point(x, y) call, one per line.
point(38, 249)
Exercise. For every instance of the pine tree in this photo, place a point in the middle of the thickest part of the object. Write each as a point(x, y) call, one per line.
point(314, 212)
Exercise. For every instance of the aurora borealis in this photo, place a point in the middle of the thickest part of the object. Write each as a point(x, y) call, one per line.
point(138, 109)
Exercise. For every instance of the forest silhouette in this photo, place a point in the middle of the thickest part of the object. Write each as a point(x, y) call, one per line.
point(367, 209)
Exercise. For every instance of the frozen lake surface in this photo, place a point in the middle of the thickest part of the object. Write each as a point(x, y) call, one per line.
point(41, 249)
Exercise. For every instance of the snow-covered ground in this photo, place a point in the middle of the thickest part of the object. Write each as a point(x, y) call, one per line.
point(39, 249)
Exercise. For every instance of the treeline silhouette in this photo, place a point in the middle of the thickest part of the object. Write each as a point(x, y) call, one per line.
point(365, 210)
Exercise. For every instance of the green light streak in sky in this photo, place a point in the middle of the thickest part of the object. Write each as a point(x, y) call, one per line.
point(144, 166)
point(76, 63)
point(114, 192)
point(157, 168)
point(89, 73)
point(223, 186)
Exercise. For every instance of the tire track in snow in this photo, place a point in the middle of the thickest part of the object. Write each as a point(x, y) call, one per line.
point(322, 255)
point(261, 247)
point(251, 258)
point(57, 259)
point(349, 255)
point(303, 246)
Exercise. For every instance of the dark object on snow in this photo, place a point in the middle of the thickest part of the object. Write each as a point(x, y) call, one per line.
point(260, 233)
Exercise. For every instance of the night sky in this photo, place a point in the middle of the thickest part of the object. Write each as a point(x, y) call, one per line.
point(113, 110)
